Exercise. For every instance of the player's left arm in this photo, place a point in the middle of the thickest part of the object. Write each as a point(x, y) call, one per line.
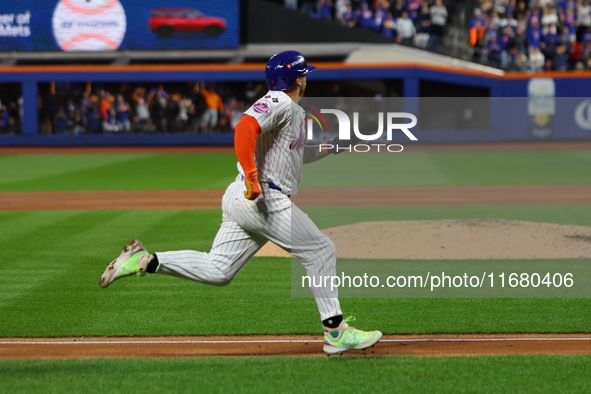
point(314, 153)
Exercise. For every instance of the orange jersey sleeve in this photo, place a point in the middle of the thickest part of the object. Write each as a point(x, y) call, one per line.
point(245, 143)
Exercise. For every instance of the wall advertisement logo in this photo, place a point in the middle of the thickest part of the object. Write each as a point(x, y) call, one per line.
point(583, 115)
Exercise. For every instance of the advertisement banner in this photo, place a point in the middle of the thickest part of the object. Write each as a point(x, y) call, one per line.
point(111, 25)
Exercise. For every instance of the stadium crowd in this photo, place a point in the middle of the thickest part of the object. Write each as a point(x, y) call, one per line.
point(422, 23)
point(191, 108)
point(543, 35)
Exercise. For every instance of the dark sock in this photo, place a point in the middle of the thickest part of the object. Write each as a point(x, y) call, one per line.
point(332, 322)
point(153, 265)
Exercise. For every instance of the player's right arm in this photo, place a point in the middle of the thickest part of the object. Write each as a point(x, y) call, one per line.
point(245, 143)
point(263, 116)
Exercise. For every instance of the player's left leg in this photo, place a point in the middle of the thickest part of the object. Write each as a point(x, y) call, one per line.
point(233, 246)
point(231, 250)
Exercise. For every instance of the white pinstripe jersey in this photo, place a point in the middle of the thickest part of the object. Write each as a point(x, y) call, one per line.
point(279, 153)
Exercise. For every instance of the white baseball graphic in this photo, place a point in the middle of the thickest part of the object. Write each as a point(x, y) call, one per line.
point(89, 25)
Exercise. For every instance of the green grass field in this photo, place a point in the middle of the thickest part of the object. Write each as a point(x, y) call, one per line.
point(513, 374)
point(51, 264)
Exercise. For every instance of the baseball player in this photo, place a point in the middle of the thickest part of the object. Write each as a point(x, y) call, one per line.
point(269, 145)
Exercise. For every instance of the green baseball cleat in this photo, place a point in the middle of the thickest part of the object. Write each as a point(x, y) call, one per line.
point(339, 340)
point(129, 262)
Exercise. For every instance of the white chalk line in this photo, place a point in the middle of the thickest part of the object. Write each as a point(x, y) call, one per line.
point(283, 341)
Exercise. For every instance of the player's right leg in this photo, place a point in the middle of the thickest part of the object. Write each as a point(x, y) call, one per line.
point(290, 228)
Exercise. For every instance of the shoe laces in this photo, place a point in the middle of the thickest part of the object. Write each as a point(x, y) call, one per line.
point(353, 330)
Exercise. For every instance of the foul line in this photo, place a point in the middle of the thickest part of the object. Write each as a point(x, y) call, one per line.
point(288, 341)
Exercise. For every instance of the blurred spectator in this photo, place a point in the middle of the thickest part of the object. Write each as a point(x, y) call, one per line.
point(173, 110)
point(438, 14)
point(4, 117)
point(405, 29)
point(495, 47)
point(184, 106)
point(536, 59)
point(389, 26)
point(379, 16)
point(534, 36)
point(583, 18)
point(60, 122)
point(340, 7)
point(550, 19)
point(236, 113)
point(122, 109)
point(197, 108)
point(11, 127)
point(575, 52)
point(477, 40)
point(477, 18)
point(95, 120)
point(157, 100)
point(323, 10)
point(253, 92)
point(520, 39)
point(365, 17)
point(214, 108)
point(77, 123)
point(110, 124)
point(423, 22)
point(348, 18)
point(560, 58)
point(105, 104)
point(397, 7)
point(413, 7)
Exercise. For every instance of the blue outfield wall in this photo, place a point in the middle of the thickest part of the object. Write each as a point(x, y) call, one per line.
point(509, 117)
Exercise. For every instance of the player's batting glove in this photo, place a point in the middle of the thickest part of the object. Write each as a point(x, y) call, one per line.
point(253, 187)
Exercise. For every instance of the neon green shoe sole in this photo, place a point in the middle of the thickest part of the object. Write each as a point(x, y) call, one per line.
point(126, 264)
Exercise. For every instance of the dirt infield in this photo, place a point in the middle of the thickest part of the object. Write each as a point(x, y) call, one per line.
point(365, 197)
point(415, 345)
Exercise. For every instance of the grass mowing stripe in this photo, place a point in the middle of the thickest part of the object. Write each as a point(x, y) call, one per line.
point(513, 168)
point(216, 171)
point(508, 374)
point(138, 172)
point(22, 225)
point(19, 168)
point(374, 170)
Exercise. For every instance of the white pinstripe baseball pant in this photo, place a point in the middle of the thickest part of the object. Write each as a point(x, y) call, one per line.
point(246, 227)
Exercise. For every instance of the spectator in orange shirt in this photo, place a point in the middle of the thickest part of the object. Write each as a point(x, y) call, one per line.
point(105, 104)
point(215, 108)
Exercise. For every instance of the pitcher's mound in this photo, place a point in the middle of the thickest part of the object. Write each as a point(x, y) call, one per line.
point(482, 239)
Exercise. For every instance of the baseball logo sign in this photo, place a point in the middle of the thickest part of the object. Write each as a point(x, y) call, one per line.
point(89, 25)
